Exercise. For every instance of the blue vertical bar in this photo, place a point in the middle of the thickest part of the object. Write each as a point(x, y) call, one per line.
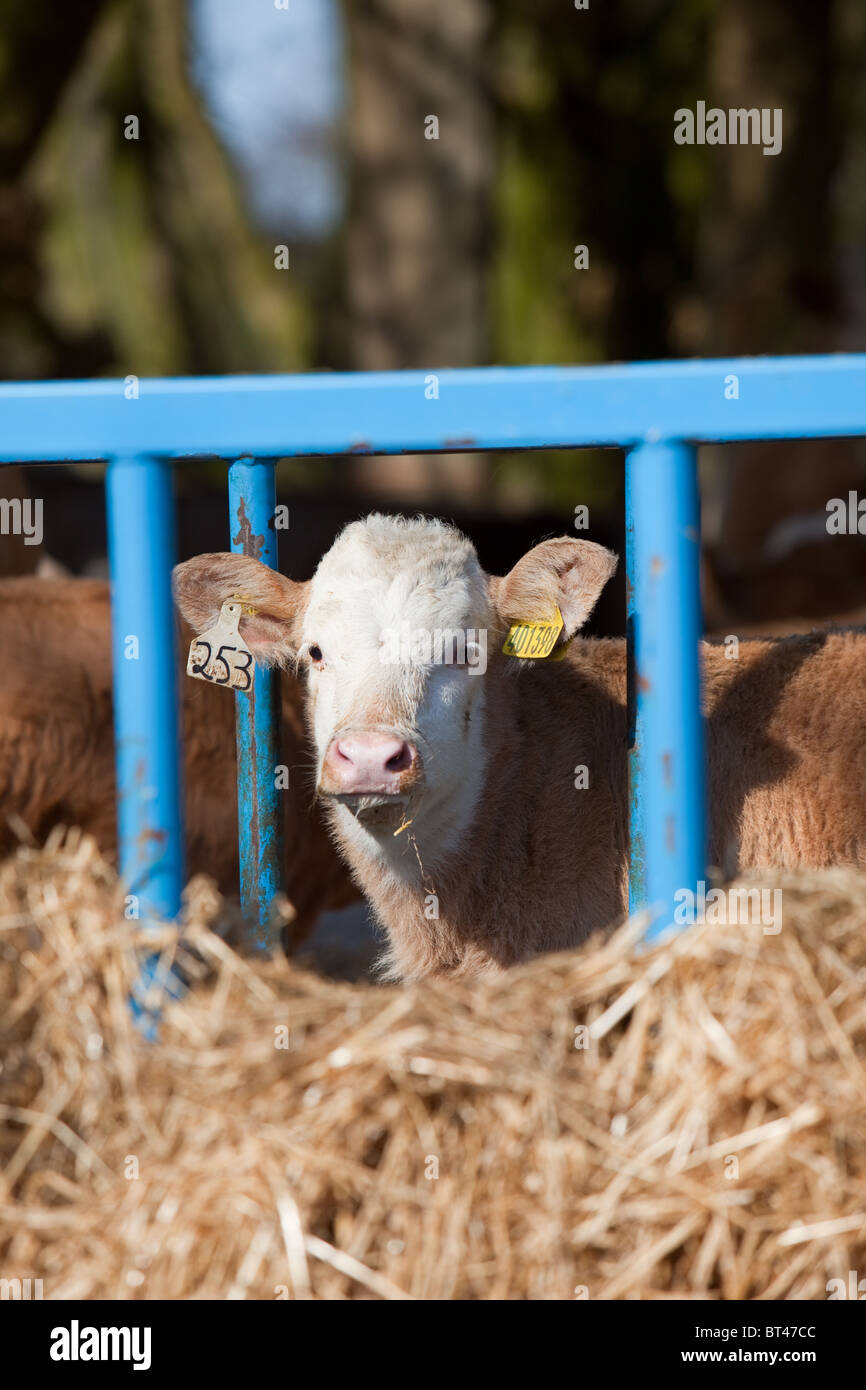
point(636, 857)
point(141, 552)
point(662, 493)
point(252, 508)
point(140, 507)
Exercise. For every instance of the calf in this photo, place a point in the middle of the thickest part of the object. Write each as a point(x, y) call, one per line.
point(450, 770)
point(57, 746)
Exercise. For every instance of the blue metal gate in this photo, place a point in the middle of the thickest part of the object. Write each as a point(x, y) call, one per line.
point(657, 412)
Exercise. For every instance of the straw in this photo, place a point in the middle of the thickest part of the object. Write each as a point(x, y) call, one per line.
point(686, 1122)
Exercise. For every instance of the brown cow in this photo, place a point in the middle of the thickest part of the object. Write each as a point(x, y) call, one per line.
point(448, 767)
point(57, 746)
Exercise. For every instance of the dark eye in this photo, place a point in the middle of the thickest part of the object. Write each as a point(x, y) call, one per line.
point(315, 654)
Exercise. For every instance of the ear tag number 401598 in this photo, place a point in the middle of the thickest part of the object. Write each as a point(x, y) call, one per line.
point(221, 655)
point(535, 640)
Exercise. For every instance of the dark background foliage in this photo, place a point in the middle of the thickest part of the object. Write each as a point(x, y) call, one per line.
point(154, 255)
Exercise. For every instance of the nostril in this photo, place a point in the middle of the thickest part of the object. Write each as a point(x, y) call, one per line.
point(366, 758)
point(401, 760)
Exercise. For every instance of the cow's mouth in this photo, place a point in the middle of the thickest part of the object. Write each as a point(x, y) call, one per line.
point(372, 808)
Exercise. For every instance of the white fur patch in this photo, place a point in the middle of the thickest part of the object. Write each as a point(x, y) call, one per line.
point(382, 574)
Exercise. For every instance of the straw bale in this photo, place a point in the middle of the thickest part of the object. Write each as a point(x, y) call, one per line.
point(687, 1121)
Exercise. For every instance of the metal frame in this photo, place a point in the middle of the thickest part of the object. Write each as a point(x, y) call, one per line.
point(657, 412)
point(252, 508)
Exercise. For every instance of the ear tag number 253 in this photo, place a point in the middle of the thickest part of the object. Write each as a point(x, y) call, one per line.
point(221, 655)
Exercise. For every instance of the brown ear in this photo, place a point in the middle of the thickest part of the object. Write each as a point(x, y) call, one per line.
point(567, 574)
point(272, 631)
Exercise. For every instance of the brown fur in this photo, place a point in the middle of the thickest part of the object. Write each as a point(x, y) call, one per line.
point(57, 746)
point(545, 864)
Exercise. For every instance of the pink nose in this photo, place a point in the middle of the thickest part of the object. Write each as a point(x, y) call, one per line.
point(366, 764)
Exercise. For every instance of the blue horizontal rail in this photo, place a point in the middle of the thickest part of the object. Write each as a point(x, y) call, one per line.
point(399, 412)
point(658, 412)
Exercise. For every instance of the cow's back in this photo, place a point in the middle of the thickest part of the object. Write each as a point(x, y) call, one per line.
point(57, 745)
point(786, 742)
point(56, 740)
point(787, 750)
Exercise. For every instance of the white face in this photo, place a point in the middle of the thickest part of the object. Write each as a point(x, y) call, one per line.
point(394, 640)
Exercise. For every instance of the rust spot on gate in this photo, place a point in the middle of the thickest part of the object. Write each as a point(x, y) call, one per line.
point(246, 537)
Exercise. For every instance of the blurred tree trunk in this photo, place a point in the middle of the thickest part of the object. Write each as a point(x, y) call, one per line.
point(417, 246)
point(167, 259)
point(763, 243)
point(239, 310)
point(37, 59)
point(773, 278)
point(125, 255)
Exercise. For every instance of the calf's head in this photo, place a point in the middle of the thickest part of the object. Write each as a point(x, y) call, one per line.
point(395, 632)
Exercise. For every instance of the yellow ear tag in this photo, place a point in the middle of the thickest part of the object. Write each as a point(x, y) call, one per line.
point(533, 641)
point(221, 655)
